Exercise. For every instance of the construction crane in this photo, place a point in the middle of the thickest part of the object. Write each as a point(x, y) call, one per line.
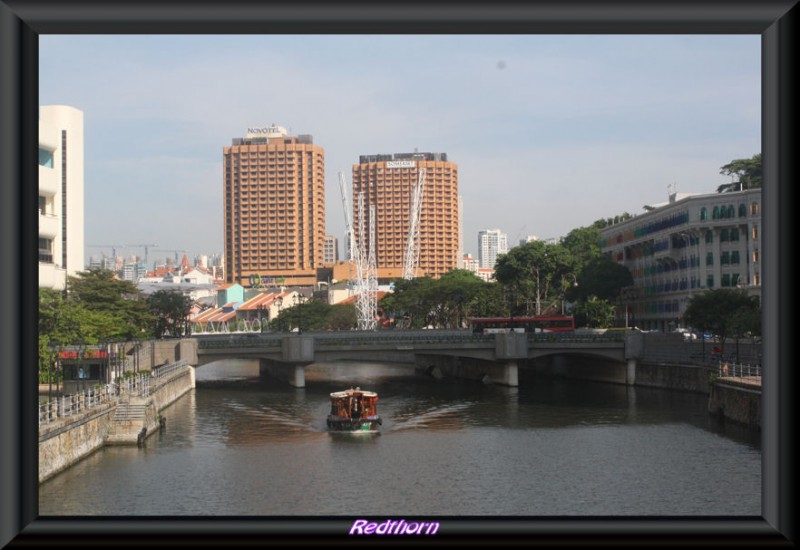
point(366, 281)
point(411, 260)
point(145, 246)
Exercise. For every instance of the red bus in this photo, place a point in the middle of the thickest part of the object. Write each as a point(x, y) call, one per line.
point(537, 323)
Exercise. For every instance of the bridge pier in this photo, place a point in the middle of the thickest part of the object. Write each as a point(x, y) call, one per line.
point(294, 375)
point(630, 373)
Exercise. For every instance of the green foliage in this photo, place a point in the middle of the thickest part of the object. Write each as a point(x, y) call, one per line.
point(749, 173)
point(124, 311)
point(533, 274)
point(725, 312)
point(169, 310)
point(601, 277)
point(447, 302)
point(593, 312)
point(315, 315)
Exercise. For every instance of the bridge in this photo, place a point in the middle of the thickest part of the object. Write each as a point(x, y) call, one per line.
point(493, 357)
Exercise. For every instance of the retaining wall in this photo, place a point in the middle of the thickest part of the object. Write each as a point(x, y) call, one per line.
point(68, 440)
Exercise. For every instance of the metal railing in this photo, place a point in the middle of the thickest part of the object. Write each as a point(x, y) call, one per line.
point(140, 385)
point(738, 370)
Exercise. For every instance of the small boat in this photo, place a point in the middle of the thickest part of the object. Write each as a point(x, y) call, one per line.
point(354, 411)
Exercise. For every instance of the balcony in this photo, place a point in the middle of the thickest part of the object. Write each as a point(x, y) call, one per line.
point(48, 225)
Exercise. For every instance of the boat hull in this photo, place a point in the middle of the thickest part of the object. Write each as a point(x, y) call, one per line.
point(367, 425)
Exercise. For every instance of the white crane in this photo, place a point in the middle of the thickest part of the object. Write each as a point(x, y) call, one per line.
point(411, 260)
point(366, 282)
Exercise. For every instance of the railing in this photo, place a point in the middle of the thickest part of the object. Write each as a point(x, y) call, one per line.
point(738, 370)
point(140, 385)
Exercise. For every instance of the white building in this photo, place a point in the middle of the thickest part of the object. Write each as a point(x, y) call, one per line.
point(686, 245)
point(330, 250)
point(491, 243)
point(61, 214)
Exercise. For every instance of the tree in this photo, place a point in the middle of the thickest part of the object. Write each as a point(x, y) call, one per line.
point(594, 313)
point(532, 274)
point(169, 310)
point(724, 312)
point(748, 172)
point(125, 311)
point(601, 277)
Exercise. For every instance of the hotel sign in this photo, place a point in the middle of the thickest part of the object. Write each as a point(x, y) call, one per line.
point(400, 164)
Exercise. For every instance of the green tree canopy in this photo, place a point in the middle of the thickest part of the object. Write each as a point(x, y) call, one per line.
point(601, 277)
point(532, 274)
point(724, 312)
point(169, 310)
point(748, 173)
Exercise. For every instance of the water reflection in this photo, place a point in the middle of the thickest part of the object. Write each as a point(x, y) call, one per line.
point(258, 447)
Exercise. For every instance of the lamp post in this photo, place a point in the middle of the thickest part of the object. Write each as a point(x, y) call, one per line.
point(279, 303)
point(261, 318)
point(298, 300)
point(565, 285)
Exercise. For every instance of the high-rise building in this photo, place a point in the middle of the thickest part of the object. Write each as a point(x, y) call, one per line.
point(491, 243)
point(60, 195)
point(330, 253)
point(388, 182)
point(274, 208)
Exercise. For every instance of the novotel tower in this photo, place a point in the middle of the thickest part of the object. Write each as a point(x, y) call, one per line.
point(274, 208)
point(388, 182)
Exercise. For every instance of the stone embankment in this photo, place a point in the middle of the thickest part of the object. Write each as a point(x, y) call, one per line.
point(125, 420)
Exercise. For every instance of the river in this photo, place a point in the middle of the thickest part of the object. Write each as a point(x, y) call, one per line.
point(234, 446)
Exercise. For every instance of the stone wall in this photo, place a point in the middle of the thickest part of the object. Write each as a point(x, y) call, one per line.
point(734, 401)
point(68, 440)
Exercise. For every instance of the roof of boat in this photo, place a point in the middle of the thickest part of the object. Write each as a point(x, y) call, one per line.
point(353, 391)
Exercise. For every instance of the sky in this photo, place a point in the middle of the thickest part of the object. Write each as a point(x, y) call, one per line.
point(550, 132)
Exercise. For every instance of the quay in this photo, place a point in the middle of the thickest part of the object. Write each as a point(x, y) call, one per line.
point(122, 413)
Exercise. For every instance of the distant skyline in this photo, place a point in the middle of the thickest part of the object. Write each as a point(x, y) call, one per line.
point(549, 132)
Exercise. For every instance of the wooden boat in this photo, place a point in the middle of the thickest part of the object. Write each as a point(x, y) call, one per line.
point(354, 411)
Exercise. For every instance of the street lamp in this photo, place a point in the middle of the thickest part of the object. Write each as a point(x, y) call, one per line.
point(565, 286)
point(298, 300)
point(261, 317)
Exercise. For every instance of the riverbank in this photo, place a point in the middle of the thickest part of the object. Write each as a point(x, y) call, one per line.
point(127, 420)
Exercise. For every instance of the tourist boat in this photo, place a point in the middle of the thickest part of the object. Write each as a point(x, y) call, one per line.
point(354, 411)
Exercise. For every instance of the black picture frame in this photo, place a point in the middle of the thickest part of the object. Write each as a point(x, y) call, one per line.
point(22, 21)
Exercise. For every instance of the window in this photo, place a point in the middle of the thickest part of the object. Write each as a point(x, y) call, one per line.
point(755, 232)
point(735, 257)
point(45, 158)
point(709, 236)
point(754, 209)
point(726, 280)
point(755, 256)
point(703, 213)
point(742, 210)
point(731, 211)
point(723, 235)
point(710, 281)
point(715, 213)
point(726, 258)
point(735, 234)
point(710, 258)
point(734, 279)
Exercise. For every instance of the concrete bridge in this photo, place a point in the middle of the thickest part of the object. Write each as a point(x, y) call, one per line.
point(495, 358)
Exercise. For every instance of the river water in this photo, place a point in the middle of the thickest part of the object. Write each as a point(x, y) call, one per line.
point(448, 448)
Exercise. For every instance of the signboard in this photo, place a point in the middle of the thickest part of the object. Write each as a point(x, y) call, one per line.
point(400, 164)
point(266, 131)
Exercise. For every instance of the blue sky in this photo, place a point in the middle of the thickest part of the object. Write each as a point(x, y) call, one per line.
point(550, 132)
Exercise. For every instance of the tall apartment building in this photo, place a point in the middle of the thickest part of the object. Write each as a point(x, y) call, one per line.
point(274, 208)
point(491, 243)
point(61, 218)
point(330, 253)
point(687, 245)
point(388, 182)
